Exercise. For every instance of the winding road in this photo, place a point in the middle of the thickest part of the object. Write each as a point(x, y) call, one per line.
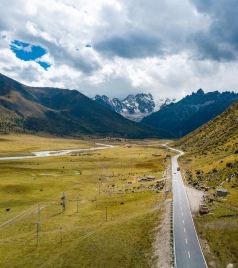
point(188, 252)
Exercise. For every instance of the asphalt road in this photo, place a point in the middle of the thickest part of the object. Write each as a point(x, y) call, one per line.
point(188, 252)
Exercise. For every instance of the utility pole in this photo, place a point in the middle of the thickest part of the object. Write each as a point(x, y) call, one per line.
point(38, 225)
point(63, 202)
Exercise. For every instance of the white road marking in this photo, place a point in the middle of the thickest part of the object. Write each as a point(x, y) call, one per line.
point(184, 229)
point(182, 192)
point(182, 214)
point(183, 221)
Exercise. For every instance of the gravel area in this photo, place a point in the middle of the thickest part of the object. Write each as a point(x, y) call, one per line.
point(162, 243)
point(195, 197)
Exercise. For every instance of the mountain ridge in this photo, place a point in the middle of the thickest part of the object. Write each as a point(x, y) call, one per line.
point(191, 112)
point(61, 112)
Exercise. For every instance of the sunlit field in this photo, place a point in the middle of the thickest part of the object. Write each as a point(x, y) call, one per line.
point(109, 218)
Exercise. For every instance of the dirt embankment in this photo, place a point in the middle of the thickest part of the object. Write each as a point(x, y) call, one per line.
point(162, 242)
point(195, 197)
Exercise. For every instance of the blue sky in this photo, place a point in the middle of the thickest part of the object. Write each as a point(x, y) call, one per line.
point(119, 47)
point(29, 52)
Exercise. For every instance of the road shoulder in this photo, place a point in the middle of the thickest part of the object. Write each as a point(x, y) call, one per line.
point(162, 250)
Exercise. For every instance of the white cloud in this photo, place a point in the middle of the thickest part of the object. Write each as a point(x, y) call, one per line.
point(113, 47)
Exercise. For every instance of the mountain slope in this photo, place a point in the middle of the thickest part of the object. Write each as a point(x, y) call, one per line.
point(213, 149)
point(191, 112)
point(218, 135)
point(61, 112)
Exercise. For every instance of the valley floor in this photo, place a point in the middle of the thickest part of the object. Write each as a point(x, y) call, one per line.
point(110, 216)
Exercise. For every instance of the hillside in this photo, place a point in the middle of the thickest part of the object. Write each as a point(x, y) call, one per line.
point(211, 163)
point(218, 135)
point(191, 112)
point(212, 150)
point(61, 112)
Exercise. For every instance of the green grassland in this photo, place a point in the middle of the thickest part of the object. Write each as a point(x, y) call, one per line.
point(110, 217)
point(15, 144)
point(211, 162)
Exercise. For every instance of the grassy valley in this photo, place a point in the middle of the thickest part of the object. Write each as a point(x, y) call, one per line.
point(210, 163)
point(110, 217)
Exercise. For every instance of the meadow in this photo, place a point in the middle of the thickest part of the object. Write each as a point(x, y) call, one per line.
point(109, 219)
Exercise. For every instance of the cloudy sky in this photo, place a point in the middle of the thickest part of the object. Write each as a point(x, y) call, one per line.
point(115, 47)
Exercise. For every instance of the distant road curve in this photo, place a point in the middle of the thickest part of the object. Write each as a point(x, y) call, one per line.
point(188, 252)
point(39, 154)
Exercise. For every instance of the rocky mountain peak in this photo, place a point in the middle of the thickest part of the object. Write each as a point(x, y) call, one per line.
point(134, 107)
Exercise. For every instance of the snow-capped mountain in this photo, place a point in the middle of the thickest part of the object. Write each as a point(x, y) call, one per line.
point(134, 107)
